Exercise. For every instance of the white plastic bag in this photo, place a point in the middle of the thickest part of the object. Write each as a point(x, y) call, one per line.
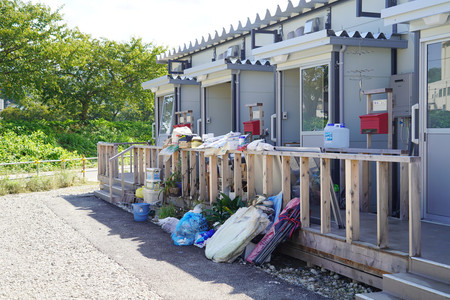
point(168, 224)
point(234, 235)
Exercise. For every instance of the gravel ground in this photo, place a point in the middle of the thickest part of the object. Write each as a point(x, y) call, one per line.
point(43, 257)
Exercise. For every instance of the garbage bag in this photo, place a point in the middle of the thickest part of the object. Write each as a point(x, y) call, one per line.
point(188, 227)
point(234, 235)
point(168, 224)
point(140, 193)
point(202, 237)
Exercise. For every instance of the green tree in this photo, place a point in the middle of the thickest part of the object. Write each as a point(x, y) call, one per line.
point(27, 32)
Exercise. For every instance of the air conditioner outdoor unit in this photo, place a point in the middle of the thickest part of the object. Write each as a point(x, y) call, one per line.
point(312, 25)
point(232, 51)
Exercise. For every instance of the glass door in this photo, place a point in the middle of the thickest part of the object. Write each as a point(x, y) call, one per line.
point(166, 120)
point(314, 105)
point(437, 131)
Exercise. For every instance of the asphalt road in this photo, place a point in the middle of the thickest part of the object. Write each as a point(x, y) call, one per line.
point(147, 252)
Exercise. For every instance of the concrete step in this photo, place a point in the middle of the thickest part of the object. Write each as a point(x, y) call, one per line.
point(104, 195)
point(431, 269)
point(413, 286)
point(376, 296)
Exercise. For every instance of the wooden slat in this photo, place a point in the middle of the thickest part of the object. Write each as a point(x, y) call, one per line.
point(160, 160)
point(225, 174)
point(267, 175)
point(352, 229)
point(404, 191)
point(167, 169)
point(116, 162)
point(250, 176)
point(382, 204)
point(175, 160)
point(141, 166)
point(304, 191)
point(136, 166)
point(414, 210)
point(193, 173)
point(237, 175)
point(184, 172)
point(364, 187)
point(213, 190)
point(148, 163)
point(325, 196)
point(202, 176)
point(286, 179)
point(154, 157)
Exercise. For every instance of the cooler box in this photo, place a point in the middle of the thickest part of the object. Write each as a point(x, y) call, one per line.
point(182, 125)
point(376, 123)
point(252, 126)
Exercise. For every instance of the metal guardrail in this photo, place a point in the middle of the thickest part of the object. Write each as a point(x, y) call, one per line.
point(38, 162)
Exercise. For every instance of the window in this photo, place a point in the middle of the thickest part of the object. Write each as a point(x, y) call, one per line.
point(438, 79)
point(314, 83)
point(167, 115)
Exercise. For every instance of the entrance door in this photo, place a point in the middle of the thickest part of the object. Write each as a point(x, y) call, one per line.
point(218, 109)
point(166, 119)
point(437, 131)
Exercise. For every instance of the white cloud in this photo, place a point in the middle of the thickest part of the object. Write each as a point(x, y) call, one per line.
point(164, 22)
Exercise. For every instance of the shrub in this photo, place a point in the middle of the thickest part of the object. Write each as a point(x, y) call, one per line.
point(167, 211)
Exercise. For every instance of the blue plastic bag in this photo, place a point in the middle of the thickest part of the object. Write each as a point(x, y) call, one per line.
point(201, 237)
point(188, 227)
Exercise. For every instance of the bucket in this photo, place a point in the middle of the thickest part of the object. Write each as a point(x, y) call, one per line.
point(153, 174)
point(152, 197)
point(140, 211)
point(336, 136)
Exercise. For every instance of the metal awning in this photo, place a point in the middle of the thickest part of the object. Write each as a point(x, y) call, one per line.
point(158, 83)
point(328, 38)
point(221, 70)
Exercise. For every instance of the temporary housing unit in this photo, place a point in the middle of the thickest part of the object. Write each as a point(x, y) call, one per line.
point(427, 25)
point(329, 61)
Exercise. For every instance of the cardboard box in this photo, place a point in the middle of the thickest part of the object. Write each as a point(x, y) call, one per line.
point(184, 145)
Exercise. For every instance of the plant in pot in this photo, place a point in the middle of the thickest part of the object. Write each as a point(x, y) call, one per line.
point(170, 186)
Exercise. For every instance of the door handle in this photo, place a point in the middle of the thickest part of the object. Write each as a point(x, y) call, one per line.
point(272, 128)
point(414, 134)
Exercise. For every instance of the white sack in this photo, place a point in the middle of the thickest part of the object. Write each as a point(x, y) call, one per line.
point(234, 235)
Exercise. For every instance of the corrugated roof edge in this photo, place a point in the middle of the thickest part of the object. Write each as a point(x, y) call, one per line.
point(302, 6)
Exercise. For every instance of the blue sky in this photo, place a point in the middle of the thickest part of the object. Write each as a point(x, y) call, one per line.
point(163, 22)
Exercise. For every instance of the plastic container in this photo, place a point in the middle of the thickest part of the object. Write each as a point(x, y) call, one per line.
point(153, 174)
point(152, 197)
point(140, 211)
point(153, 185)
point(336, 136)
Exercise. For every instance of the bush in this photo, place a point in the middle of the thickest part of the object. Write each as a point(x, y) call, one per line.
point(167, 211)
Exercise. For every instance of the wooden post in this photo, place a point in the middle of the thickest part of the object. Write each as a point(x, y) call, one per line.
point(175, 160)
point(167, 168)
point(202, 175)
point(237, 175)
point(160, 160)
point(153, 158)
point(141, 166)
point(224, 174)
point(352, 200)
point(325, 196)
point(404, 191)
point(116, 162)
point(250, 177)
point(213, 191)
point(304, 191)
point(193, 172)
point(286, 179)
point(382, 204)
point(267, 175)
point(414, 210)
point(184, 173)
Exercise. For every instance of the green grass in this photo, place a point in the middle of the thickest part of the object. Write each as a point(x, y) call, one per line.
point(39, 183)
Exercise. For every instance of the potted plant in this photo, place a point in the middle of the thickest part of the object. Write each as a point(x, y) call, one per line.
point(170, 186)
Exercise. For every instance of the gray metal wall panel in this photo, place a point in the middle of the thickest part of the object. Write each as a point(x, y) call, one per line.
point(291, 105)
point(218, 108)
point(371, 66)
point(257, 87)
point(190, 99)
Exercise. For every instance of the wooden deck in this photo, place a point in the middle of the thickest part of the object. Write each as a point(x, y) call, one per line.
point(371, 245)
point(435, 237)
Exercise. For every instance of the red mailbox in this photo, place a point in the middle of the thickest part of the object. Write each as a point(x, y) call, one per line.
point(376, 123)
point(252, 126)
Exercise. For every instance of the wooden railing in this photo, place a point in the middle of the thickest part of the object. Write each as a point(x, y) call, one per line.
point(199, 183)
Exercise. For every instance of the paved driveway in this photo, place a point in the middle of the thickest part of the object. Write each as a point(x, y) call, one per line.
point(67, 243)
